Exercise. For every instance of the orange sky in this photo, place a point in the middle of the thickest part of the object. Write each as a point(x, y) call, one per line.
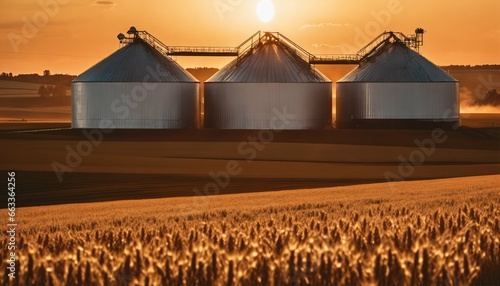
point(72, 35)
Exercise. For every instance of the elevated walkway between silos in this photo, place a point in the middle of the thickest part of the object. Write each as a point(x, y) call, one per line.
point(186, 50)
point(203, 51)
point(412, 41)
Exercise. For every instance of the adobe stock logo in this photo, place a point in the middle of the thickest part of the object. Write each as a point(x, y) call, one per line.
point(221, 7)
point(377, 24)
point(248, 150)
point(32, 25)
point(122, 108)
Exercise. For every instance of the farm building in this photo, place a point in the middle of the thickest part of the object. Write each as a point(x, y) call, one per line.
point(135, 87)
point(272, 77)
point(395, 87)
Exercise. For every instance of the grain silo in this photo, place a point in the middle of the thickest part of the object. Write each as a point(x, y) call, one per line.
point(271, 78)
point(395, 87)
point(135, 87)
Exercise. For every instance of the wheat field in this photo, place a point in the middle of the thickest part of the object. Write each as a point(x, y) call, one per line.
point(436, 232)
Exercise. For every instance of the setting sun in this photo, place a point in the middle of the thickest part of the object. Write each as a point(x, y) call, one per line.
point(265, 10)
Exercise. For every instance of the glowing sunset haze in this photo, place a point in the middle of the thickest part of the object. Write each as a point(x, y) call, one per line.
point(70, 36)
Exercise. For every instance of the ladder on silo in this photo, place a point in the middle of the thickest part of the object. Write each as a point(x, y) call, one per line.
point(412, 41)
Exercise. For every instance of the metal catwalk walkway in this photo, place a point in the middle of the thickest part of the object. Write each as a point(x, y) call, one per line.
point(413, 41)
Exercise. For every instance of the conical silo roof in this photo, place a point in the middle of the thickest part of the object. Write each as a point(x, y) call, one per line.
point(270, 61)
point(395, 62)
point(136, 62)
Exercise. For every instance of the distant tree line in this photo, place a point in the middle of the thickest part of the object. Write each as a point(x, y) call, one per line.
point(51, 90)
point(46, 79)
point(51, 85)
point(471, 67)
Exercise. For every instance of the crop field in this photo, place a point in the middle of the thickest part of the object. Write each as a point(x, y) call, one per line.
point(18, 89)
point(435, 232)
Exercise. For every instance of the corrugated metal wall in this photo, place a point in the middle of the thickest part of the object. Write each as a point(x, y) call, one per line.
point(254, 105)
point(410, 100)
point(135, 105)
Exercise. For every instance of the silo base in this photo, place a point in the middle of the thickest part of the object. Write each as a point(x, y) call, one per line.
point(398, 124)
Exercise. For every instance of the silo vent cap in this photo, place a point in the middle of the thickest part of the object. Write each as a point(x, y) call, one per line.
point(132, 30)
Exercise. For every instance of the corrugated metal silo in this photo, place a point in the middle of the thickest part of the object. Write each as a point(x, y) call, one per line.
point(135, 87)
point(271, 79)
point(397, 88)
